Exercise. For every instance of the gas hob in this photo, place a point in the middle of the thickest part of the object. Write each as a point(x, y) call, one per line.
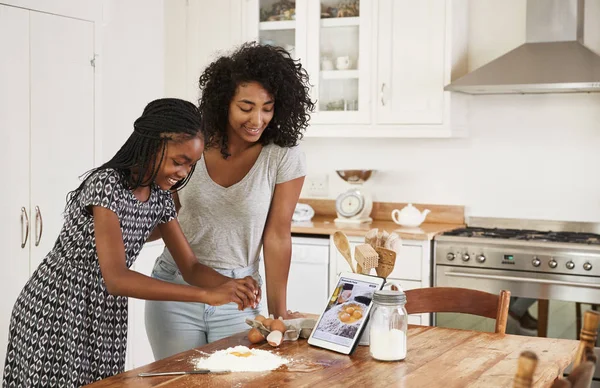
point(542, 251)
point(527, 235)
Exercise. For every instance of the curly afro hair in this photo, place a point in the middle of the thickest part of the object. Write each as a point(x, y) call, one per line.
point(271, 66)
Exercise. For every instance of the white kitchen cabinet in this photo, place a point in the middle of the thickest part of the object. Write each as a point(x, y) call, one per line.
point(339, 62)
point(411, 71)
point(335, 51)
point(289, 31)
point(14, 123)
point(402, 53)
point(308, 280)
point(47, 119)
point(419, 46)
point(412, 268)
point(139, 351)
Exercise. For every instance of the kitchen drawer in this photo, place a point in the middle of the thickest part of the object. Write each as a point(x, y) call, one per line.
point(409, 263)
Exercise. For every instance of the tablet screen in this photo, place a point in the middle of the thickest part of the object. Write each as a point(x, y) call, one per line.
point(346, 310)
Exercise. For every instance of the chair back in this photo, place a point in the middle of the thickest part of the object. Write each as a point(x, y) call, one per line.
point(460, 300)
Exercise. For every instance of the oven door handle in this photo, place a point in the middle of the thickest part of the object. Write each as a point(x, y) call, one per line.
point(518, 279)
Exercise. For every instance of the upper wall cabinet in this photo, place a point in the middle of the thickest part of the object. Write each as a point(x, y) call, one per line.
point(410, 61)
point(339, 60)
point(278, 22)
point(377, 67)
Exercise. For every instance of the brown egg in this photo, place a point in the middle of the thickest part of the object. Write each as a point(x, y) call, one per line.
point(350, 310)
point(267, 323)
point(357, 314)
point(255, 336)
point(278, 325)
point(259, 318)
point(345, 317)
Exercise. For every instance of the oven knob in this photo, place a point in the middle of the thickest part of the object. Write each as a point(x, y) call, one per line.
point(536, 262)
point(466, 257)
point(480, 258)
point(450, 256)
point(587, 266)
point(570, 264)
point(552, 263)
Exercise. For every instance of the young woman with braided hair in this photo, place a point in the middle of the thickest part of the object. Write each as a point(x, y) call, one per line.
point(69, 324)
point(255, 105)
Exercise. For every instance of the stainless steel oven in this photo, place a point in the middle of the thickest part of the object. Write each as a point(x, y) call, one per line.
point(555, 262)
point(566, 272)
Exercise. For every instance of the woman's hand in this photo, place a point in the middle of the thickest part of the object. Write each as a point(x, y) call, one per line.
point(293, 315)
point(244, 292)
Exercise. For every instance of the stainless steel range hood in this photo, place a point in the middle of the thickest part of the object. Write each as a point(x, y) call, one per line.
point(553, 59)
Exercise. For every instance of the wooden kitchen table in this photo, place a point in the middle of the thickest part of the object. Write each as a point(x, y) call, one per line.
point(437, 357)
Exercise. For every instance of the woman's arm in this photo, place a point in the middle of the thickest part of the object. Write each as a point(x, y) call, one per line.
point(122, 281)
point(155, 235)
point(199, 274)
point(277, 244)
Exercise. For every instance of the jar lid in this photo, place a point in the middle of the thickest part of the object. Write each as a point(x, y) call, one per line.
point(389, 297)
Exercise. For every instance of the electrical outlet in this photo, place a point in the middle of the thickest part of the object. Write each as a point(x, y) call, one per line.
point(316, 185)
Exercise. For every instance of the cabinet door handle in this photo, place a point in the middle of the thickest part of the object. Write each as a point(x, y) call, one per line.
point(38, 216)
point(381, 94)
point(24, 217)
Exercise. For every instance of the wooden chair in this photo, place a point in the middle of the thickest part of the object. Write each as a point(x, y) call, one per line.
point(584, 364)
point(460, 300)
point(595, 307)
point(580, 377)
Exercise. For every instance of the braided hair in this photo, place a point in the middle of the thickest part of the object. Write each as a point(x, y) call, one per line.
point(139, 159)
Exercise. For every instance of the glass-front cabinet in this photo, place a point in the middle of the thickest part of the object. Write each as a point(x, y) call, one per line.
point(332, 40)
point(278, 22)
point(338, 42)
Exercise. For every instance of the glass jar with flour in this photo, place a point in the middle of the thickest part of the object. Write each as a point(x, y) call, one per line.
point(388, 326)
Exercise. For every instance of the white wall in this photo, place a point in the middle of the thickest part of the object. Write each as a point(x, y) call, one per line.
point(525, 156)
point(215, 28)
point(132, 66)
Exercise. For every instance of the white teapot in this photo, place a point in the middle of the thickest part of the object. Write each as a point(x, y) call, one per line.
point(409, 216)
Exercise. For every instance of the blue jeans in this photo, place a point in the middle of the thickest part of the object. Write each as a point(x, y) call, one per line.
point(174, 327)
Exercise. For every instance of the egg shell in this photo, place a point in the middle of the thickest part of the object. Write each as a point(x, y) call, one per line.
point(260, 318)
point(274, 338)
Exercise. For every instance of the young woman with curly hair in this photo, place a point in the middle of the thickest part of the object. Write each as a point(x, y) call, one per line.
point(255, 105)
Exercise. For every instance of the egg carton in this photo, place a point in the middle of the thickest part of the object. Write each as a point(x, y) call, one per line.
point(295, 328)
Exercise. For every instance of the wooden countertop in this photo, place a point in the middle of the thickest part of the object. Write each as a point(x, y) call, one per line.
point(326, 226)
point(437, 357)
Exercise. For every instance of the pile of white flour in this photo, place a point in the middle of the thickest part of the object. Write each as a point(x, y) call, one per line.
point(242, 359)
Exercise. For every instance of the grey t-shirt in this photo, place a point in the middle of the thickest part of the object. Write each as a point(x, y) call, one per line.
point(224, 226)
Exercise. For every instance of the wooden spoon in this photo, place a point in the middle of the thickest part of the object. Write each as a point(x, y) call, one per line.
point(343, 245)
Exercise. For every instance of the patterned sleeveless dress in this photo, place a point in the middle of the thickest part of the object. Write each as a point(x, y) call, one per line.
point(65, 328)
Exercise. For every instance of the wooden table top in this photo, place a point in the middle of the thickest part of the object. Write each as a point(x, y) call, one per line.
point(326, 226)
point(437, 357)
